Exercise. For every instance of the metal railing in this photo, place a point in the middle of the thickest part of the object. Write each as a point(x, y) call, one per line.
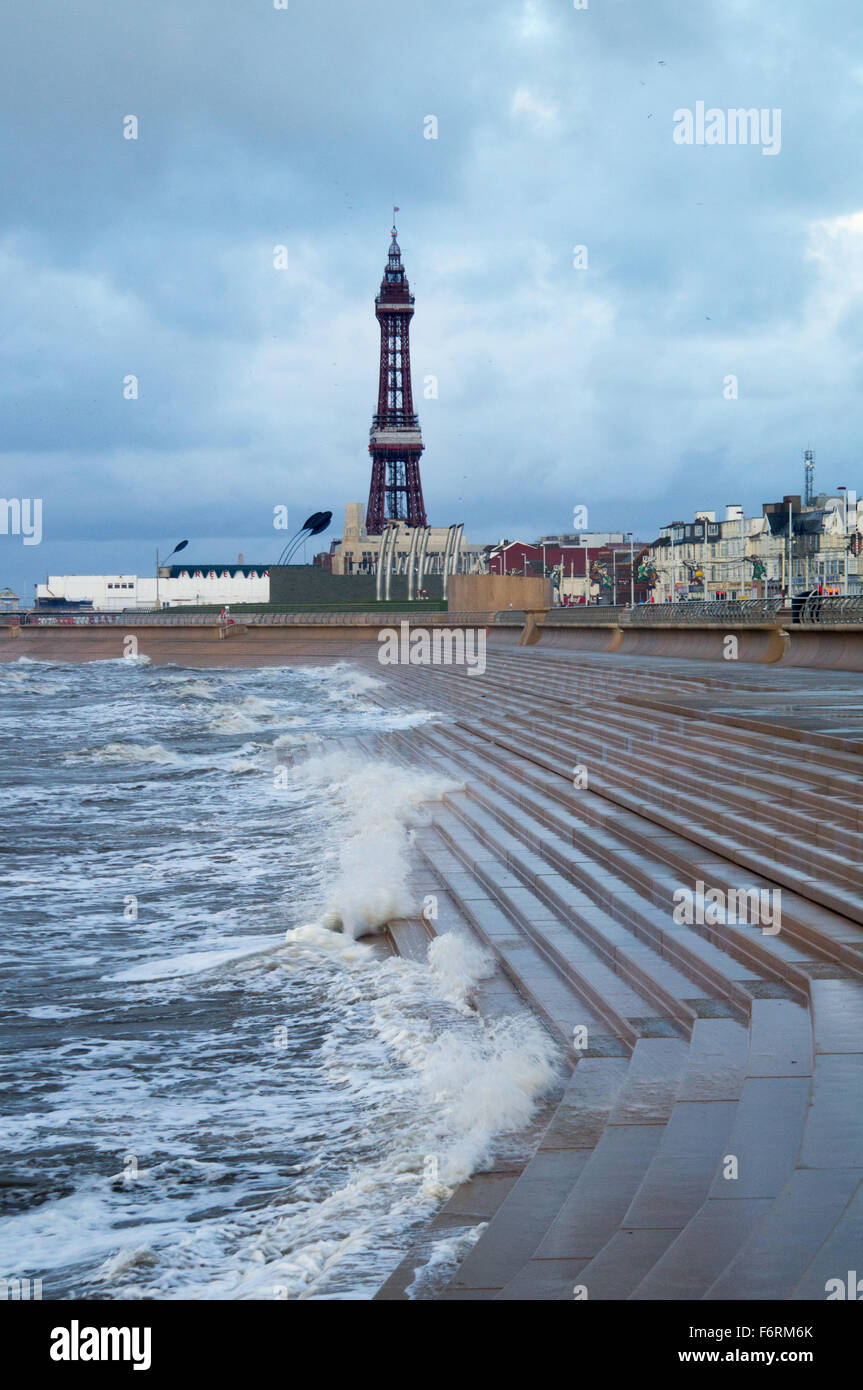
point(745, 610)
point(819, 609)
point(773, 611)
point(429, 615)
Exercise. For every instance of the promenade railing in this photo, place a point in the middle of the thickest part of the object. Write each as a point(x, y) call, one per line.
point(744, 610)
point(817, 609)
point(814, 610)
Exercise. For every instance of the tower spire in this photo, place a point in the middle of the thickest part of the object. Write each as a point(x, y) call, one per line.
point(395, 441)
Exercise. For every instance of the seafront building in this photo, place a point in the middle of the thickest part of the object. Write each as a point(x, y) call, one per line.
point(176, 586)
point(793, 546)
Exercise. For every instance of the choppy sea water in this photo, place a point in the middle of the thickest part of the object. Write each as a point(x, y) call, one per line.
point(207, 1092)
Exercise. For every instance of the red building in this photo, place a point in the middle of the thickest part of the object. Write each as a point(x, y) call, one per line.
point(600, 565)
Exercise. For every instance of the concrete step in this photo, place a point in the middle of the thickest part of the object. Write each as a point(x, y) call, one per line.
point(605, 994)
point(790, 763)
point(634, 958)
point(534, 976)
point(795, 861)
point(786, 1240)
point(773, 776)
point(704, 962)
point(836, 936)
point(779, 1048)
point(533, 1202)
point(574, 889)
point(592, 1212)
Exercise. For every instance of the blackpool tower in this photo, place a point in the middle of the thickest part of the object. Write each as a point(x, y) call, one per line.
point(395, 440)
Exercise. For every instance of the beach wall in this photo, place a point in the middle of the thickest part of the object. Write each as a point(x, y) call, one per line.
point(298, 638)
point(836, 648)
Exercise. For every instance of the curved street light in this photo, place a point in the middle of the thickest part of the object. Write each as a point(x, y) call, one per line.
point(313, 526)
point(182, 546)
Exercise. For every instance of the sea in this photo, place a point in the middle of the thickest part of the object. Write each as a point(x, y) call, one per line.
point(215, 1082)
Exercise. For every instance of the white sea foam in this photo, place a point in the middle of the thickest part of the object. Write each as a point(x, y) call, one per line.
point(131, 753)
point(199, 690)
point(392, 1087)
point(458, 1084)
point(443, 1260)
point(194, 962)
point(25, 682)
point(285, 743)
point(53, 1011)
point(345, 683)
point(374, 802)
point(246, 715)
point(457, 965)
point(138, 1257)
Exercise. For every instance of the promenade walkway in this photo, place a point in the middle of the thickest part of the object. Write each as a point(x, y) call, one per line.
point(708, 1143)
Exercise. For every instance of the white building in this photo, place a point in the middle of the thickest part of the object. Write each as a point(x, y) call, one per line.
point(753, 556)
point(178, 586)
point(705, 558)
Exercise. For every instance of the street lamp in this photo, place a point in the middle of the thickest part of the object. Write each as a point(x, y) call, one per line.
point(313, 526)
point(843, 489)
point(181, 546)
point(631, 570)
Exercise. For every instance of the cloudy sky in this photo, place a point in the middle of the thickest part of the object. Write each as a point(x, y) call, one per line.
point(603, 386)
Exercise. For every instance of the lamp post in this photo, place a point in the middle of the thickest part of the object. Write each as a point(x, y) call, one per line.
point(631, 570)
point(181, 546)
point(843, 489)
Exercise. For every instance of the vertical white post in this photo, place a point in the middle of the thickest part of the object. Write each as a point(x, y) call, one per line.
point(631, 571)
point(412, 550)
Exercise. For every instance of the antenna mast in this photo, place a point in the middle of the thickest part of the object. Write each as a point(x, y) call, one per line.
point(809, 477)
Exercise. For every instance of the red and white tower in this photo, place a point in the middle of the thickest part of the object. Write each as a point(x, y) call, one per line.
point(395, 440)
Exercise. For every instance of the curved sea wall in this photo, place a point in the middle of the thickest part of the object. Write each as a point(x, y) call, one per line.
point(261, 639)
